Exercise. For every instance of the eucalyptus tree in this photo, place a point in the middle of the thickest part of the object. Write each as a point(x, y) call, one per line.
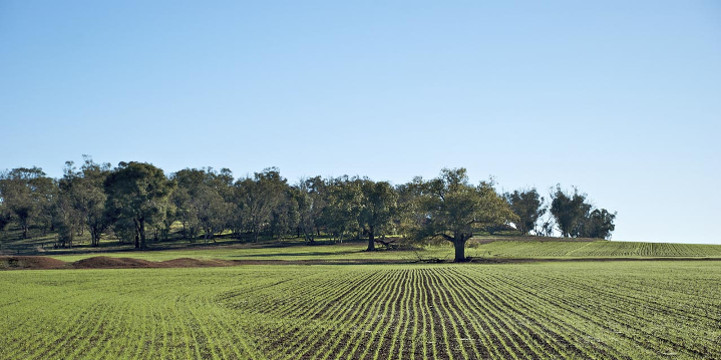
point(569, 211)
point(29, 196)
point(68, 215)
point(285, 217)
point(599, 224)
point(311, 201)
point(528, 206)
point(379, 205)
point(137, 194)
point(576, 217)
point(409, 216)
point(5, 216)
point(453, 209)
point(343, 206)
point(199, 201)
point(81, 201)
point(257, 198)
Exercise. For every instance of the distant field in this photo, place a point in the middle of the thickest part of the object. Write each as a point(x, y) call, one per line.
point(573, 310)
point(596, 249)
point(495, 249)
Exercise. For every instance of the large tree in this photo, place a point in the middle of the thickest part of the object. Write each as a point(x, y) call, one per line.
point(569, 211)
point(257, 198)
point(453, 209)
point(576, 217)
point(199, 202)
point(138, 194)
point(528, 205)
point(599, 224)
point(29, 196)
point(309, 195)
point(343, 198)
point(81, 201)
point(379, 205)
point(5, 216)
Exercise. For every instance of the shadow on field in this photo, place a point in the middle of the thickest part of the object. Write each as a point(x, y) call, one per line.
point(105, 262)
point(291, 255)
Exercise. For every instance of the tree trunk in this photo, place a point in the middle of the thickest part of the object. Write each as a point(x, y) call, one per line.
point(371, 239)
point(140, 233)
point(460, 246)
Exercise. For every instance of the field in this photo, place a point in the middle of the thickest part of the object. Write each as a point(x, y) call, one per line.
point(484, 249)
point(545, 310)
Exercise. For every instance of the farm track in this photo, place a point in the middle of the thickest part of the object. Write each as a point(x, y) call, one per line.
point(625, 310)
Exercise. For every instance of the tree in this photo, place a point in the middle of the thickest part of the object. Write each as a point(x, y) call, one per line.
point(199, 202)
point(81, 201)
point(527, 205)
point(453, 209)
point(68, 218)
point(599, 224)
point(94, 198)
point(569, 211)
point(575, 217)
point(311, 204)
point(138, 194)
point(343, 198)
point(5, 216)
point(29, 196)
point(409, 216)
point(285, 217)
point(379, 204)
point(257, 198)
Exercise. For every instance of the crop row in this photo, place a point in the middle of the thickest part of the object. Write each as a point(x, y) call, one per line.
point(594, 249)
point(615, 310)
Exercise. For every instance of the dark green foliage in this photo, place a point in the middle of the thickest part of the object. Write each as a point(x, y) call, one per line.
point(528, 205)
point(344, 200)
point(256, 198)
point(577, 218)
point(5, 216)
point(138, 194)
point(599, 224)
point(136, 199)
point(453, 208)
point(309, 195)
point(569, 211)
point(81, 202)
point(199, 203)
point(379, 205)
point(28, 197)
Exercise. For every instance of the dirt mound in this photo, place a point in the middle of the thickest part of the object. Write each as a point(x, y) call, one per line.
point(105, 262)
point(188, 262)
point(30, 262)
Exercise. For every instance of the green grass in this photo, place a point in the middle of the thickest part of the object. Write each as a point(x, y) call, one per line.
point(575, 310)
point(355, 251)
point(604, 249)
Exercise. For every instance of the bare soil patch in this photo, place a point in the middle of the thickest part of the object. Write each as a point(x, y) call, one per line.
point(106, 262)
point(30, 262)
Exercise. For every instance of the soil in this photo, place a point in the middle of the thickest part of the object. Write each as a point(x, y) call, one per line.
point(30, 262)
point(106, 262)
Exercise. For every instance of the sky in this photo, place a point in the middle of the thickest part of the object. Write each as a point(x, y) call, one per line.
point(621, 99)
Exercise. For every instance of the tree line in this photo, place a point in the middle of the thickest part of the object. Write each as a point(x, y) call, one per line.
point(136, 201)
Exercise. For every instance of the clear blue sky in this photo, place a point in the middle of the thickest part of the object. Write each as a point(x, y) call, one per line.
point(619, 98)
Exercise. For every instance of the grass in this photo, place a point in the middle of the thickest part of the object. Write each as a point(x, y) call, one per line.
point(354, 251)
point(574, 310)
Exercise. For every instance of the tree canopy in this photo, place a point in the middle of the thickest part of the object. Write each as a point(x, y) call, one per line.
point(138, 194)
point(453, 209)
point(136, 202)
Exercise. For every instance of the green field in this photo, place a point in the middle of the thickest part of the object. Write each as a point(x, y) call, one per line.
point(574, 310)
point(355, 251)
